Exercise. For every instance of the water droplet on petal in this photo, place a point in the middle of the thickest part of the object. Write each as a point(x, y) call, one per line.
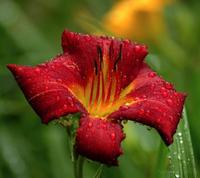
point(165, 94)
point(162, 88)
point(57, 98)
point(37, 70)
point(152, 86)
point(70, 101)
point(141, 111)
point(125, 107)
point(171, 118)
point(53, 67)
point(176, 94)
point(90, 124)
point(113, 136)
point(144, 96)
point(168, 86)
point(59, 80)
point(151, 74)
point(158, 80)
point(124, 77)
point(137, 98)
point(104, 126)
point(169, 101)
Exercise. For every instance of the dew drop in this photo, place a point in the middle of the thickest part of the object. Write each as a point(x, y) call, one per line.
point(144, 96)
point(59, 80)
point(176, 94)
point(179, 157)
point(171, 118)
point(113, 136)
point(125, 107)
point(141, 111)
point(104, 126)
point(177, 176)
point(158, 80)
point(137, 98)
point(164, 114)
point(124, 77)
point(164, 94)
point(179, 134)
point(57, 98)
point(163, 89)
point(137, 48)
point(90, 124)
point(152, 86)
point(37, 70)
point(168, 86)
point(169, 101)
point(151, 74)
point(53, 67)
point(70, 100)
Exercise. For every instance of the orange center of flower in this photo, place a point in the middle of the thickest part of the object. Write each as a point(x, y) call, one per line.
point(103, 94)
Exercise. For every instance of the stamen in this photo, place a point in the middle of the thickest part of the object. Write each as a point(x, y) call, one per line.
point(119, 57)
point(91, 91)
point(103, 93)
point(96, 67)
point(100, 54)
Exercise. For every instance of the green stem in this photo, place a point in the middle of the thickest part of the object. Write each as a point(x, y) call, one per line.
point(78, 167)
point(161, 163)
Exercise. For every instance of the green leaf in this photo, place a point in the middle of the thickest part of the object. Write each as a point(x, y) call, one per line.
point(181, 157)
point(99, 171)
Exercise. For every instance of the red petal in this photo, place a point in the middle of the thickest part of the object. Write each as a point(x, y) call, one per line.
point(157, 104)
point(124, 56)
point(46, 87)
point(109, 65)
point(99, 140)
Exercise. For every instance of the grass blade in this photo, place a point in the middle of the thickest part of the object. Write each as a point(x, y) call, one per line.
point(182, 163)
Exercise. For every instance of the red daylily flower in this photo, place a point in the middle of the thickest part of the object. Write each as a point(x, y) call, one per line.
point(107, 81)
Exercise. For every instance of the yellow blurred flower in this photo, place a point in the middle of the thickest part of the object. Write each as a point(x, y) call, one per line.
point(138, 19)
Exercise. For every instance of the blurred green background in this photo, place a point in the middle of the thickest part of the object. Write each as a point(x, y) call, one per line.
point(30, 33)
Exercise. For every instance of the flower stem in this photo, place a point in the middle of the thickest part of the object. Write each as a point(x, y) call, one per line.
point(161, 162)
point(78, 166)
